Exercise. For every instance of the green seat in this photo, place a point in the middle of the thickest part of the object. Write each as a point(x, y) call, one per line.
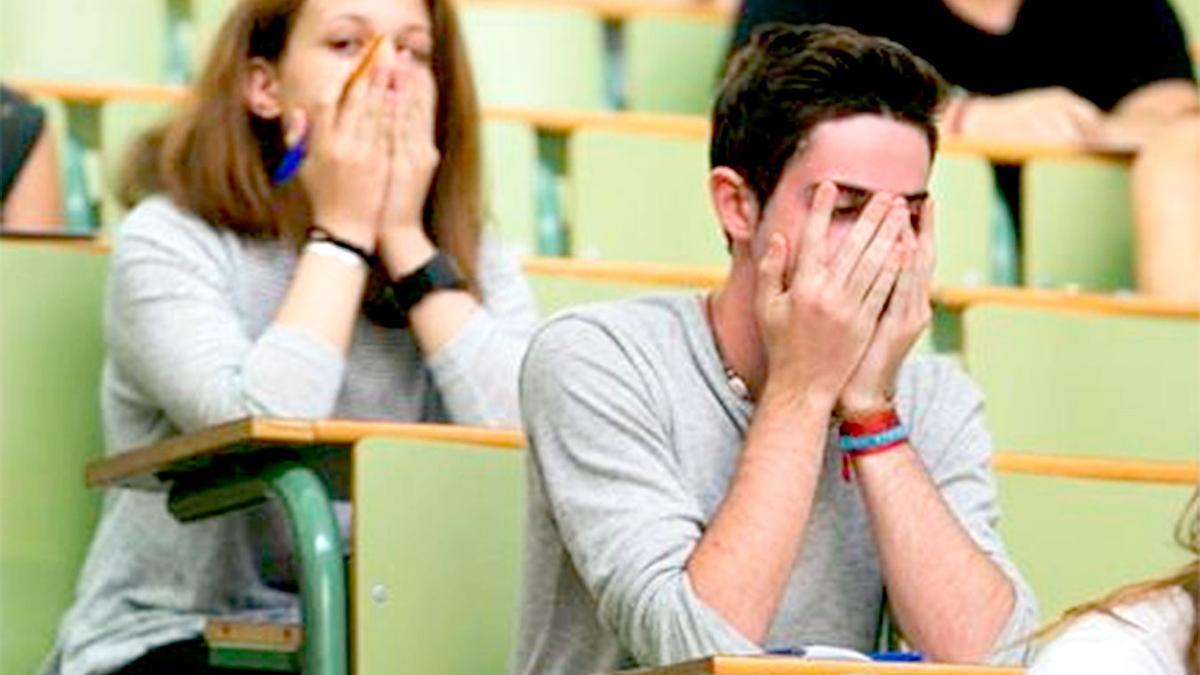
point(510, 156)
point(1087, 384)
point(672, 63)
point(641, 197)
point(84, 40)
point(437, 551)
point(1188, 12)
point(206, 18)
point(51, 350)
point(963, 188)
point(541, 57)
point(1076, 540)
point(1077, 225)
point(555, 293)
point(73, 40)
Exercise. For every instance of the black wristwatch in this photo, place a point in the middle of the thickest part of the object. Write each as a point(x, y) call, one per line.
point(388, 304)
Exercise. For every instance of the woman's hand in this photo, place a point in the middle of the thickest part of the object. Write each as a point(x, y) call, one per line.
point(347, 166)
point(414, 161)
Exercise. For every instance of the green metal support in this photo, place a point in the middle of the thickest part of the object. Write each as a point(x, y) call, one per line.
point(318, 544)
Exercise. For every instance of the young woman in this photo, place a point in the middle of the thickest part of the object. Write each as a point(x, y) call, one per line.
point(1151, 628)
point(233, 294)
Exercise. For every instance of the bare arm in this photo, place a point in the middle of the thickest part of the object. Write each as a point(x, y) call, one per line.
point(743, 561)
point(1147, 111)
point(935, 574)
point(35, 200)
point(816, 321)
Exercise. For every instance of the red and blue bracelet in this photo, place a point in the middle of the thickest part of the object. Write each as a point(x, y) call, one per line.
point(869, 434)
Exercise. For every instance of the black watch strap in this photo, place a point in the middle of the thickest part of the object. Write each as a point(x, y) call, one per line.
point(438, 273)
point(389, 304)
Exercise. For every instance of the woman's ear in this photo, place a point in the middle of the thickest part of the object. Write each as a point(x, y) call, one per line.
point(735, 204)
point(260, 90)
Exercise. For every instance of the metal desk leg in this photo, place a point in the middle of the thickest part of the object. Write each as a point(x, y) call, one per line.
point(318, 546)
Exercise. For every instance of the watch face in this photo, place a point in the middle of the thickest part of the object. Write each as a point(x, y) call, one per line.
point(380, 306)
point(388, 304)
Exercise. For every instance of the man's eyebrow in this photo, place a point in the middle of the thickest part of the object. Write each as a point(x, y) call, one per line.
point(853, 189)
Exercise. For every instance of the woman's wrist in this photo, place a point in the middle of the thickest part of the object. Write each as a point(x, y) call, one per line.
point(404, 250)
point(329, 240)
point(348, 232)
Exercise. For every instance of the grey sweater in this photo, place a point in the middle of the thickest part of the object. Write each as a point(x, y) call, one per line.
point(191, 343)
point(635, 436)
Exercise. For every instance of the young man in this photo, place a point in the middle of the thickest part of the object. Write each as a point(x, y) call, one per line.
point(689, 490)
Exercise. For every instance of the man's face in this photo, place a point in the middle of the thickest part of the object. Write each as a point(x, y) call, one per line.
point(863, 155)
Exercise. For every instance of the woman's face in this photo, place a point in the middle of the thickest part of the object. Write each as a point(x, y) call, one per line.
point(328, 41)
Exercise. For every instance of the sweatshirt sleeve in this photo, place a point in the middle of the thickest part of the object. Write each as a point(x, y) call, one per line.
point(604, 460)
point(173, 329)
point(476, 372)
point(951, 433)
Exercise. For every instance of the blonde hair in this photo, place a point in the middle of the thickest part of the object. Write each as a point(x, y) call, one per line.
point(1187, 533)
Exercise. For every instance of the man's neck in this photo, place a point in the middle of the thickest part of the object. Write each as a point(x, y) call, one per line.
point(735, 329)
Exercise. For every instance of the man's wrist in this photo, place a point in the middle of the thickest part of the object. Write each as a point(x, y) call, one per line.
point(854, 403)
point(797, 400)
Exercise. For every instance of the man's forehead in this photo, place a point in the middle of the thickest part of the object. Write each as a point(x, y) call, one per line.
point(863, 154)
point(862, 192)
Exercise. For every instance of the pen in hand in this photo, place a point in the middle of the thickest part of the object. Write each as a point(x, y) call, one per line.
point(297, 146)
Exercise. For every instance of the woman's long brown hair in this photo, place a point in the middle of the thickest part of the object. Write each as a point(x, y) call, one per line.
point(214, 157)
point(1187, 533)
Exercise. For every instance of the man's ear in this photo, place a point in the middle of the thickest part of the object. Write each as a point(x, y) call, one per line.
point(260, 90)
point(735, 203)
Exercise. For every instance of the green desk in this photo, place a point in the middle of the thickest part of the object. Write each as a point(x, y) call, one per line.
point(240, 464)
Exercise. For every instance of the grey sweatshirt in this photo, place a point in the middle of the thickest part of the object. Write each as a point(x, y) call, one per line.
point(635, 435)
point(191, 343)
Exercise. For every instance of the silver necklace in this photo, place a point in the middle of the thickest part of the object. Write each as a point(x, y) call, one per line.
point(736, 384)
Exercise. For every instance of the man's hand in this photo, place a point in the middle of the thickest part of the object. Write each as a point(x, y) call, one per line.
point(871, 385)
point(817, 318)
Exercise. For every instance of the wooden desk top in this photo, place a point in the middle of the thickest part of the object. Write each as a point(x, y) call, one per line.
point(953, 299)
point(775, 665)
point(563, 122)
point(81, 242)
point(139, 468)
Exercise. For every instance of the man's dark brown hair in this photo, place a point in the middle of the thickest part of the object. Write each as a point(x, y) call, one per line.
point(788, 79)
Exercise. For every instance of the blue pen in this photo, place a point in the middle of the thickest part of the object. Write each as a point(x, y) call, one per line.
point(897, 657)
point(290, 164)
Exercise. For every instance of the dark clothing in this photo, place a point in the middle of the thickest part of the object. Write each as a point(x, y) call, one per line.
point(20, 126)
point(189, 657)
point(1100, 50)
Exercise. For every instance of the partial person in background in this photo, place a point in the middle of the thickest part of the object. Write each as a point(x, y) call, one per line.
point(30, 192)
point(1046, 71)
point(233, 295)
point(1149, 628)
